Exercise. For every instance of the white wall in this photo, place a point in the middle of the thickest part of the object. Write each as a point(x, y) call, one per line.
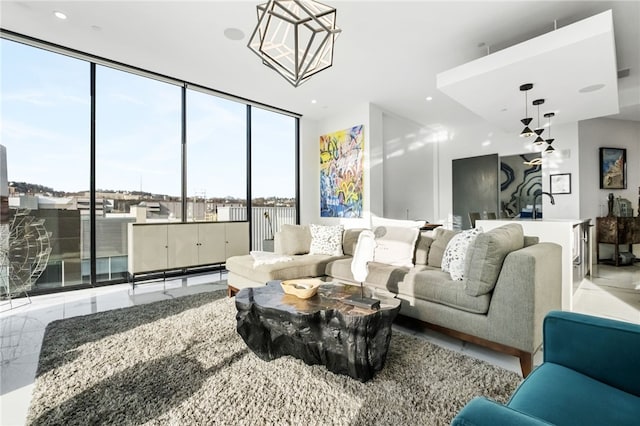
point(608, 133)
point(408, 170)
point(409, 167)
point(371, 118)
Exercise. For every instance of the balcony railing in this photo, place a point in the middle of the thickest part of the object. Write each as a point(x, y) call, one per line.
point(260, 230)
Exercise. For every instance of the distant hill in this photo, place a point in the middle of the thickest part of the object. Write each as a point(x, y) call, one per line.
point(33, 188)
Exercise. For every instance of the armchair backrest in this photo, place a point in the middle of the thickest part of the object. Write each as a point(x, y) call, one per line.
point(603, 349)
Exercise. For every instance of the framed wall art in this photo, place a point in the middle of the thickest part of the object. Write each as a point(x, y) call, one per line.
point(341, 173)
point(613, 168)
point(560, 183)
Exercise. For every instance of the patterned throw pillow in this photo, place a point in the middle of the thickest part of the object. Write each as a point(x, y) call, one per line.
point(326, 240)
point(453, 260)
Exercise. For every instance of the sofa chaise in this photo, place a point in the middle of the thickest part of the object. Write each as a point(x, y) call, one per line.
point(510, 282)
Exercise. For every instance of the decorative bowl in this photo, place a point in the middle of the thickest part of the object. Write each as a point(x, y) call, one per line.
point(303, 288)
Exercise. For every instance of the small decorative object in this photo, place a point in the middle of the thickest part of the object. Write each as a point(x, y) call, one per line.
point(610, 205)
point(613, 168)
point(303, 288)
point(560, 183)
point(363, 254)
point(295, 38)
point(266, 216)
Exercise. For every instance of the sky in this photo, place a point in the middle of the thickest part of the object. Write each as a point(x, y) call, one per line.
point(45, 126)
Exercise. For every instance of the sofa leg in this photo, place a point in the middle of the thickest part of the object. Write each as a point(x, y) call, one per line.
point(231, 291)
point(526, 363)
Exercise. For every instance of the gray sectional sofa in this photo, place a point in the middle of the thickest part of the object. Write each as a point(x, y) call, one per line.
point(510, 283)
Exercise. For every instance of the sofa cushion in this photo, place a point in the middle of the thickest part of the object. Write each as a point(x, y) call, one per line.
point(350, 239)
point(381, 275)
point(437, 286)
point(486, 254)
point(425, 239)
point(436, 251)
point(294, 239)
point(395, 245)
point(562, 396)
point(307, 265)
point(529, 241)
point(326, 239)
point(455, 255)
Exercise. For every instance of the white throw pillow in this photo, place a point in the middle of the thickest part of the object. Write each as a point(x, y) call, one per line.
point(395, 245)
point(455, 254)
point(326, 239)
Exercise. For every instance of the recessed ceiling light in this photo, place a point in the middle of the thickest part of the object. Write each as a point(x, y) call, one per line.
point(59, 14)
point(591, 88)
point(313, 101)
point(234, 34)
point(429, 98)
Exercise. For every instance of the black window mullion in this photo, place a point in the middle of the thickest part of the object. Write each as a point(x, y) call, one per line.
point(92, 178)
point(184, 153)
point(249, 203)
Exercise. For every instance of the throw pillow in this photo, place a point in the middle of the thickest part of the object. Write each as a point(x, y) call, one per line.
point(350, 239)
point(453, 260)
point(436, 251)
point(486, 255)
point(425, 239)
point(395, 245)
point(326, 239)
point(294, 239)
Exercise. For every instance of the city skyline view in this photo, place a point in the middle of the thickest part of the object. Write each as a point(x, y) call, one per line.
point(46, 130)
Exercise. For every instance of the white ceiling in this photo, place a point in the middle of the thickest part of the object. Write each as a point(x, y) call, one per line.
point(572, 70)
point(389, 52)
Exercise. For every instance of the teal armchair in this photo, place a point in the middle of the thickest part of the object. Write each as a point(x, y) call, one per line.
point(590, 376)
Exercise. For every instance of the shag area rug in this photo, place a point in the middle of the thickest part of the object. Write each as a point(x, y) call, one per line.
point(181, 362)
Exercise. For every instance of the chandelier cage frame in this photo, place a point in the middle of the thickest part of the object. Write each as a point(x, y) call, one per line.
point(288, 38)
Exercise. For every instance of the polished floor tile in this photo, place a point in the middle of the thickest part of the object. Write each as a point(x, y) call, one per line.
point(610, 292)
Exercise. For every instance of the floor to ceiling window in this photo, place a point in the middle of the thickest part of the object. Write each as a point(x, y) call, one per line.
point(273, 174)
point(138, 162)
point(46, 132)
point(216, 158)
point(164, 150)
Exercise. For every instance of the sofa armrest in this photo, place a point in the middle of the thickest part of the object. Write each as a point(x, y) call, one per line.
point(528, 287)
point(603, 349)
point(482, 411)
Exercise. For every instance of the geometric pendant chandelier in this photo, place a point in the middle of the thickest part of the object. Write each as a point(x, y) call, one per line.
point(538, 131)
point(295, 38)
point(526, 132)
point(549, 149)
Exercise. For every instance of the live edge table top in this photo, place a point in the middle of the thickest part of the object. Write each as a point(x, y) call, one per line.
point(319, 330)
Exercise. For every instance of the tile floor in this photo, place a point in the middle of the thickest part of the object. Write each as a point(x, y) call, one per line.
point(610, 292)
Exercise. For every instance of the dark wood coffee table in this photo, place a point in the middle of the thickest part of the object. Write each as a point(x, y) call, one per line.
point(319, 330)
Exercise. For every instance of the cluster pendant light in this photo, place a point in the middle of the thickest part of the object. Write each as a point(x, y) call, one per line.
point(526, 132)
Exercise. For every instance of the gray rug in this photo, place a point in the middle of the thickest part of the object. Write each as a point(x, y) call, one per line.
point(181, 362)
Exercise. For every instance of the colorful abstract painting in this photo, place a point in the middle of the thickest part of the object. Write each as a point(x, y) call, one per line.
point(341, 173)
